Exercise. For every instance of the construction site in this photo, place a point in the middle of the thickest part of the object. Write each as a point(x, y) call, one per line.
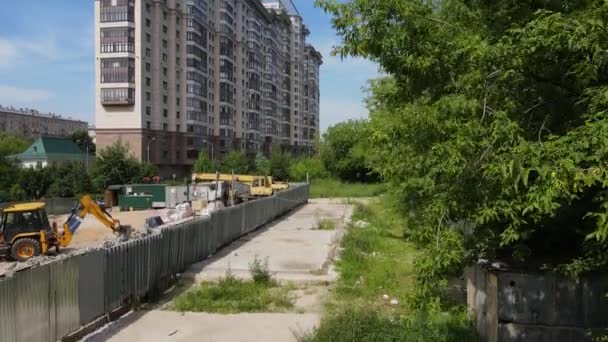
point(76, 272)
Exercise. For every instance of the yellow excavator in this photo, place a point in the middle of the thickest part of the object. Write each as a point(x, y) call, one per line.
point(25, 231)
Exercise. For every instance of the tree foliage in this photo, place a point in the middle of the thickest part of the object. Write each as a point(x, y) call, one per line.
point(311, 168)
point(84, 141)
point(115, 165)
point(279, 165)
point(203, 164)
point(343, 151)
point(491, 123)
point(262, 164)
point(236, 162)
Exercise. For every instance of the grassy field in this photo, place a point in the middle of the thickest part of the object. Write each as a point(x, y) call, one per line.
point(330, 188)
point(376, 285)
point(231, 295)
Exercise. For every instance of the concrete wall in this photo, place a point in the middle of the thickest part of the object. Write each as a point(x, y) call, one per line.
point(510, 306)
point(50, 301)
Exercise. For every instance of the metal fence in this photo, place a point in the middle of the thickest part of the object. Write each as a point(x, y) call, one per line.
point(48, 302)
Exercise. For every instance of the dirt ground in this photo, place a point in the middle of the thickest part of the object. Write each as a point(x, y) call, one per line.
point(90, 234)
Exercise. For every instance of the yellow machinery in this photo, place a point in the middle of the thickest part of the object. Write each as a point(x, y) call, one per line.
point(26, 231)
point(260, 186)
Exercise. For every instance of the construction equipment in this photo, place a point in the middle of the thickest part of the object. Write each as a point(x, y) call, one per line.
point(260, 186)
point(226, 192)
point(26, 232)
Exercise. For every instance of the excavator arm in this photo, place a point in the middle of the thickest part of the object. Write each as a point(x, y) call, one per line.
point(87, 207)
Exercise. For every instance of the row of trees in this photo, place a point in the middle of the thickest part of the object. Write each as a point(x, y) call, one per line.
point(490, 126)
point(340, 155)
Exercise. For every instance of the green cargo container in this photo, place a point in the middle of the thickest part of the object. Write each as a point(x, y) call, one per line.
point(131, 202)
point(157, 191)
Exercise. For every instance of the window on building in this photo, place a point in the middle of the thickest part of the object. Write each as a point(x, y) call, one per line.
point(116, 10)
point(148, 22)
point(117, 39)
point(165, 85)
point(165, 44)
point(164, 15)
point(148, 96)
point(165, 113)
point(148, 52)
point(148, 125)
point(117, 96)
point(148, 67)
point(148, 110)
point(165, 29)
point(165, 127)
point(148, 81)
point(117, 70)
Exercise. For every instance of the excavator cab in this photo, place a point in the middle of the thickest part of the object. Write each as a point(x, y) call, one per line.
point(22, 229)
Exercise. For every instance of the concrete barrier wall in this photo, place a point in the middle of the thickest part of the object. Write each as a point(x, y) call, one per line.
point(48, 302)
point(511, 306)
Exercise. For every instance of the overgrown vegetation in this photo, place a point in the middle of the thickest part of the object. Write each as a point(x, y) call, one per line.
point(327, 224)
point(490, 125)
point(375, 297)
point(232, 295)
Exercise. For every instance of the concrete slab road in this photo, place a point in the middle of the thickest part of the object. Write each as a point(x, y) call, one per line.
point(296, 249)
point(160, 326)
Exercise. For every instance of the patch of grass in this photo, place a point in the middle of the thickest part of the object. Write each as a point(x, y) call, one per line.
point(365, 325)
point(378, 261)
point(331, 188)
point(327, 224)
point(231, 295)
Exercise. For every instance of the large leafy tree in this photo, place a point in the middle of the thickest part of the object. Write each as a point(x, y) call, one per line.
point(491, 121)
point(236, 162)
point(279, 165)
point(343, 151)
point(115, 165)
point(203, 164)
point(9, 170)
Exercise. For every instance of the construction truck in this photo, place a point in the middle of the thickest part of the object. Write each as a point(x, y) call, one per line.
point(228, 193)
point(260, 186)
point(26, 232)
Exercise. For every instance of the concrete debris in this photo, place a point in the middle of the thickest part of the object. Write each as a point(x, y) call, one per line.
point(211, 207)
point(394, 302)
point(386, 297)
point(361, 224)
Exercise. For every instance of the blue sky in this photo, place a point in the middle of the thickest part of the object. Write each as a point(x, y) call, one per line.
point(47, 60)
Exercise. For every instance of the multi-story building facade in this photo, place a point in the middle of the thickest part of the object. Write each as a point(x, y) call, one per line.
point(176, 77)
point(32, 123)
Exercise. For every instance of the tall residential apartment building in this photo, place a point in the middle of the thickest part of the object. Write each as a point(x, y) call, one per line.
point(176, 77)
point(31, 123)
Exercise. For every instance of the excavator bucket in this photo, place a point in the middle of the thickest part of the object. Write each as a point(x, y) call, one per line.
point(123, 233)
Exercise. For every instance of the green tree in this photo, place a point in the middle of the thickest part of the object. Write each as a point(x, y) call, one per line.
point(236, 162)
point(491, 122)
point(9, 170)
point(35, 182)
point(84, 141)
point(279, 165)
point(343, 151)
point(149, 171)
point(311, 167)
point(203, 164)
point(262, 165)
point(115, 165)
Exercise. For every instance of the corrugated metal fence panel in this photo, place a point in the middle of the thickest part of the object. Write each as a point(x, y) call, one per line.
point(91, 285)
point(116, 270)
point(64, 275)
point(32, 309)
point(7, 310)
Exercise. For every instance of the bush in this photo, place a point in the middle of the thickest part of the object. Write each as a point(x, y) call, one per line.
point(260, 271)
point(236, 162)
point(313, 167)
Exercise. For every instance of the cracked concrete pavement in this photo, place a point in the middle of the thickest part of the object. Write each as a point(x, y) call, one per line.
point(297, 251)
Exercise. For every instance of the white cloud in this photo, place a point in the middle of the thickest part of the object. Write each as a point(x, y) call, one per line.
point(348, 64)
point(23, 96)
point(334, 111)
point(8, 53)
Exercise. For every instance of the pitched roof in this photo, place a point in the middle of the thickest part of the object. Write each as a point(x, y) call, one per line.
point(51, 148)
